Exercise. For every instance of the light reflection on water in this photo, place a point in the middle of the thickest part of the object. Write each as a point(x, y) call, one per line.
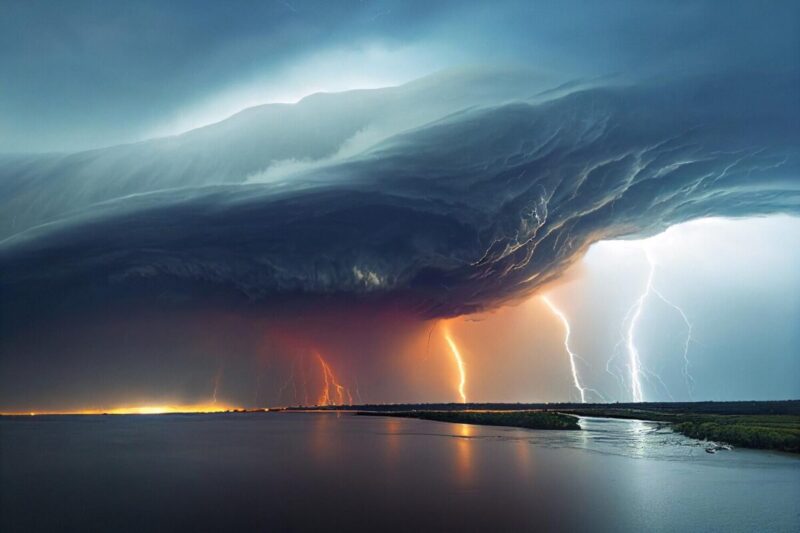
point(328, 471)
point(637, 438)
point(627, 438)
point(463, 455)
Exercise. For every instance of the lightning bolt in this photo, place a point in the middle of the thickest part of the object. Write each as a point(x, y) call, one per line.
point(459, 363)
point(687, 377)
point(326, 398)
point(567, 332)
point(634, 359)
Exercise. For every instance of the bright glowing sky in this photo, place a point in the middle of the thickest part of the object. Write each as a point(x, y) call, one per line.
point(738, 282)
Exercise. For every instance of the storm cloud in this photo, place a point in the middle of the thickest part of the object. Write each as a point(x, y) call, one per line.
point(463, 213)
point(483, 149)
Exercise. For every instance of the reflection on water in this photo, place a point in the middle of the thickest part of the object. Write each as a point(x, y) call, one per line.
point(328, 471)
point(636, 438)
point(393, 439)
point(463, 454)
point(627, 438)
point(323, 446)
point(522, 451)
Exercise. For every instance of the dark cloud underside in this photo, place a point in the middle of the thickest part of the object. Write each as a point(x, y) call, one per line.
point(467, 212)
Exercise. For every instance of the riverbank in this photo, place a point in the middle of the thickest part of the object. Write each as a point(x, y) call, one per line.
point(522, 419)
point(765, 425)
point(765, 431)
point(359, 473)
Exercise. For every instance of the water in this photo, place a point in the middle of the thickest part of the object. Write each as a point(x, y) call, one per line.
point(339, 472)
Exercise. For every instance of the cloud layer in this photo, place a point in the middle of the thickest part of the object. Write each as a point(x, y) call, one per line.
point(338, 223)
point(456, 215)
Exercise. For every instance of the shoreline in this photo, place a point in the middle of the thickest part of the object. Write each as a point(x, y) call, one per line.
point(526, 419)
point(762, 425)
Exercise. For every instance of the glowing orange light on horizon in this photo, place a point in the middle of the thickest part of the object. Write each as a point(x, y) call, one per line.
point(459, 363)
point(139, 410)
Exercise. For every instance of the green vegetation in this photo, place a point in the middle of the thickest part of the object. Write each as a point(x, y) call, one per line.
point(770, 432)
point(761, 431)
point(522, 419)
point(768, 425)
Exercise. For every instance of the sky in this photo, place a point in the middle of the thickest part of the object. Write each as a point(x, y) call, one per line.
point(250, 203)
point(88, 74)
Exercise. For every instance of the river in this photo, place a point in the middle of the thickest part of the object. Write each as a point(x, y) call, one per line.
point(339, 472)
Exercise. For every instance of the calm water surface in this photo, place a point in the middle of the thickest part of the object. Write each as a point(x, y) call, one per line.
point(339, 472)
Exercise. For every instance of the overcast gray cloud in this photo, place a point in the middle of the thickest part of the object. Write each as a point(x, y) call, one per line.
point(558, 125)
point(452, 217)
point(90, 73)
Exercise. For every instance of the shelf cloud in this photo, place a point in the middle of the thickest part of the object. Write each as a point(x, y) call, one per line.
point(453, 216)
point(471, 153)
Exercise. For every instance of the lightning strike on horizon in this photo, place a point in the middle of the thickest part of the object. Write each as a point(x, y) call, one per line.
point(459, 363)
point(686, 374)
point(325, 397)
point(567, 332)
point(634, 359)
point(329, 378)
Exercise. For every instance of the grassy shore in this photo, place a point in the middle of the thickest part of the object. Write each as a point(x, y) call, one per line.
point(765, 432)
point(522, 419)
point(766, 425)
point(761, 431)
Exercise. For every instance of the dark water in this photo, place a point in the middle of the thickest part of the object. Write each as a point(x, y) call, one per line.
point(338, 472)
